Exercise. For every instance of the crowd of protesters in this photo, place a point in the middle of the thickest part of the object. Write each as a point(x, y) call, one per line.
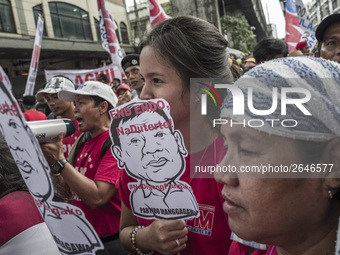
point(249, 215)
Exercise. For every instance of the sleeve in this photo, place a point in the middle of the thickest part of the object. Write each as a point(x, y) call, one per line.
point(108, 170)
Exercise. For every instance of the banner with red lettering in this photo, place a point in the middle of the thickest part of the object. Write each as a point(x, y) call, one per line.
point(80, 76)
point(29, 90)
point(298, 26)
point(306, 25)
point(108, 35)
point(157, 13)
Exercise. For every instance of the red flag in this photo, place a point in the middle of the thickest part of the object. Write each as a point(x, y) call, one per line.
point(293, 30)
point(108, 34)
point(157, 13)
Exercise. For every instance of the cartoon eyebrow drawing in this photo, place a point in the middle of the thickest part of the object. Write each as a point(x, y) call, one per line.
point(146, 145)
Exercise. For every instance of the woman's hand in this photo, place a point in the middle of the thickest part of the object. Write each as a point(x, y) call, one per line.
point(161, 236)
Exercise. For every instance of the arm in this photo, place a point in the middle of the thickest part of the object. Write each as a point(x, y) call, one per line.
point(160, 236)
point(93, 193)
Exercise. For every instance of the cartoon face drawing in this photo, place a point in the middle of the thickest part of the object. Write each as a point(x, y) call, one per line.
point(24, 148)
point(154, 154)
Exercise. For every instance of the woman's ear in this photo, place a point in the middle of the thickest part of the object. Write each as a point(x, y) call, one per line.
point(331, 157)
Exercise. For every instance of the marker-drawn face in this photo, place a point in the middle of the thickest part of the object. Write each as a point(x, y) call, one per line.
point(153, 155)
point(25, 154)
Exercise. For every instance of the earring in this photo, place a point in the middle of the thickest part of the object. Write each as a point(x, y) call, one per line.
point(330, 194)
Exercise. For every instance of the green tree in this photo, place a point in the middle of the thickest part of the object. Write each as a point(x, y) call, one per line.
point(167, 7)
point(238, 32)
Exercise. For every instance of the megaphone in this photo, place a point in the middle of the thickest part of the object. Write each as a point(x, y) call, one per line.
point(47, 131)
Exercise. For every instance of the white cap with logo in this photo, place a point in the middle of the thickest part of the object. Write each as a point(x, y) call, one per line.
point(90, 88)
point(54, 85)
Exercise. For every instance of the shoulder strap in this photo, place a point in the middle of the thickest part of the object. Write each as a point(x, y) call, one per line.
point(106, 145)
point(76, 146)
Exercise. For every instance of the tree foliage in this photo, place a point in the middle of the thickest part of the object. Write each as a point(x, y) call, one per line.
point(167, 7)
point(239, 33)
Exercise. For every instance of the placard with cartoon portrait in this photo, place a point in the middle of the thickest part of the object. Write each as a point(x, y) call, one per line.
point(151, 151)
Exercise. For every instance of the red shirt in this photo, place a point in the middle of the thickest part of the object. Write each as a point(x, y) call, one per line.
point(69, 141)
point(105, 220)
point(34, 115)
point(210, 233)
point(241, 249)
point(18, 212)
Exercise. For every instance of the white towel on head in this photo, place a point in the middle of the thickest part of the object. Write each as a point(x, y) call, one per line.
point(319, 76)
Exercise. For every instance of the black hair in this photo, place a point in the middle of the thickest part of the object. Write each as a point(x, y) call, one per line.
point(268, 48)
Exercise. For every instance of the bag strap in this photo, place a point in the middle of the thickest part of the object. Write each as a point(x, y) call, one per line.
point(106, 145)
point(76, 146)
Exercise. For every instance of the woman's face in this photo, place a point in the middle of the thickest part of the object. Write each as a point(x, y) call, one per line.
point(269, 210)
point(162, 81)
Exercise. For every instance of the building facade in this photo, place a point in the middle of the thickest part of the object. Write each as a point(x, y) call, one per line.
point(71, 37)
point(318, 10)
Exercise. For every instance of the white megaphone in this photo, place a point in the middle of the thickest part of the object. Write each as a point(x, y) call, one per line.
point(47, 131)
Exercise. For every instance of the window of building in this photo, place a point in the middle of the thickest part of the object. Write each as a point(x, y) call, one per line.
point(70, 21)
point(124, 33)
point(36, 11)
point(6, 17)
point(117, 32)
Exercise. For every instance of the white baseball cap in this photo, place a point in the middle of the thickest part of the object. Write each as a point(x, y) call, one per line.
point(90, 88)
point(54, 85)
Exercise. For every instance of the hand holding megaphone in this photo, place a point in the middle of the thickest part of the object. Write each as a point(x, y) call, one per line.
point(47, 131)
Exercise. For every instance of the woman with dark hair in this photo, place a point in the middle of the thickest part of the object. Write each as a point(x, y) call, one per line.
point(174, 52)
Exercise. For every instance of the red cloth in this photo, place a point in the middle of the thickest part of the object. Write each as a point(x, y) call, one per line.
point(88, 162)
point(18, 212)
point(210, 233)
point(69, 141)
point(34, 115)
point(241, 249)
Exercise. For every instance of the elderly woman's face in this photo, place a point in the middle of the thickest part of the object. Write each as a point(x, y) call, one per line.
point(269, 210)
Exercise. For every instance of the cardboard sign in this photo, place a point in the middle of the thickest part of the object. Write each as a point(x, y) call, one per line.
point(71, 231)
point(146, 145)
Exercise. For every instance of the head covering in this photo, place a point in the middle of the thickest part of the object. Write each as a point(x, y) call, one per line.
point(90, 88)
point(319, 76)
point(55, 85)
point(29, 100)
point(123, 86)
point(300, 45)
point(325, 23)
point(130, 60)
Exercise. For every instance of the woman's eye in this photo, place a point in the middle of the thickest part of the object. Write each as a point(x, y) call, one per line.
point(155, 80)
point(245, 152)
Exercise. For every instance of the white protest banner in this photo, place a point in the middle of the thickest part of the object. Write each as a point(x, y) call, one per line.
point(305, 24)
point(4, 78)
point(146, 145)
point(80, 76)
point(32, 75)
point(108, 35)
point(71, 231)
